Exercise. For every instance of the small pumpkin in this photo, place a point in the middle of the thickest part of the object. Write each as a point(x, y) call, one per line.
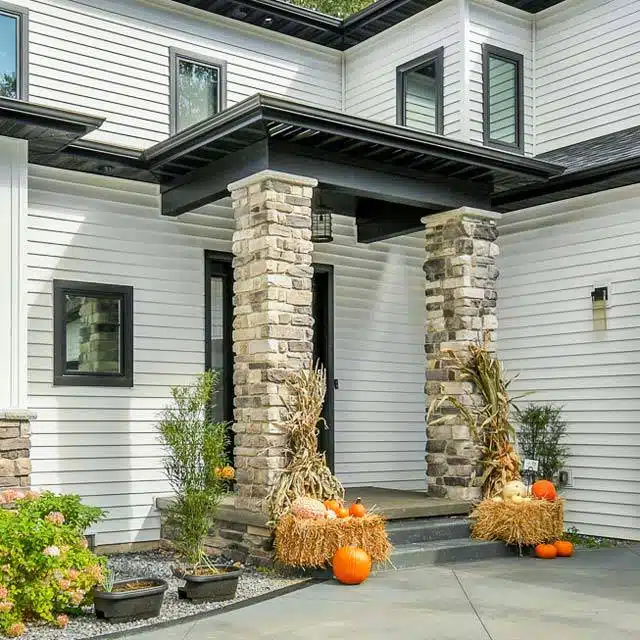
point(357, 509)
point(331, 514)
point(543, 490)
point(564, 548)
point(546, 551)
point(497, 499)
point(308, 508)
point(514, 488)
point(342, 512)
point(332, 505)
point(351, 565)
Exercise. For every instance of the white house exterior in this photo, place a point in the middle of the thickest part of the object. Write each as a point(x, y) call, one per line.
point(91, 211)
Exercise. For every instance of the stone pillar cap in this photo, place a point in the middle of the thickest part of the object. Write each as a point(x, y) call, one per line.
point(462, 212)
point(12, 415)
point(269, 174)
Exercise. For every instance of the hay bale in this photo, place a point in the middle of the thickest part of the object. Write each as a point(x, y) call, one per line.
point(305, 543)
point(524, 523)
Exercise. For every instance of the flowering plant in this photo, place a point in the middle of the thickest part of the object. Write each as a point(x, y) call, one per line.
point(46, 569)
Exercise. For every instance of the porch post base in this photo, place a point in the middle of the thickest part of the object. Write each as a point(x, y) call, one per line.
point(461, 274)
point(15, 445)
point(273, 322)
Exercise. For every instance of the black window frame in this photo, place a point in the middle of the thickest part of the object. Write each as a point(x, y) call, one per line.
point(22, 36)
point(437, 56)
point(175, 56)
point(62, 377)
point(490, 51)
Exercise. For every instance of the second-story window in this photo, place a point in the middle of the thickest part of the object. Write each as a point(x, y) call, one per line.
point(197, 89)
point(419, 92)
point(503, 89)
point(13, 51)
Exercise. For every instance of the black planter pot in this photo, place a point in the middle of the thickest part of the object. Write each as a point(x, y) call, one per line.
point(119, 606)
point(217, 587)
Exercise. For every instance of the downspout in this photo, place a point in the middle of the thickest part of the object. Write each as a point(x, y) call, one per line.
point(534, 88)
point(465, 127)
point(343, 71)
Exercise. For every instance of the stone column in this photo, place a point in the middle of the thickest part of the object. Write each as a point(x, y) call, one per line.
point(14, 419)
point(273, 322)
point(461, 297)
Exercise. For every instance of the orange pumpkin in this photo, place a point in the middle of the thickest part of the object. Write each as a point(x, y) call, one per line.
point(342, 512)
point(332, 505)
point(543, 490)
point(351, 565)
point(564, 548)
point(357, 509)
point(546, 551)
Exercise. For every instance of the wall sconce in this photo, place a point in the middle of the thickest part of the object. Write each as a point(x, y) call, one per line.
point(599, 297)
point(320, 221)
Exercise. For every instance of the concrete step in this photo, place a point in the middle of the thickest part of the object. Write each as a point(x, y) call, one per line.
point(427, 530)
point(443, 551)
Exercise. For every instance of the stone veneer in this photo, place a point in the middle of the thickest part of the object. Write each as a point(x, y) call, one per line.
point(15, 443)
point(273, 322)
point(461, 297)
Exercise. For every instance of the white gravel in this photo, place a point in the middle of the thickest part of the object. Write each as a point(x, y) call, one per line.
point(137, 565)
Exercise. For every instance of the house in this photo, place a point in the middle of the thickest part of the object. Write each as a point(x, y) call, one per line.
point(143, 143)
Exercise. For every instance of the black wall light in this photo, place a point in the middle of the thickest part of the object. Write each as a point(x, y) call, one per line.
point(321, 220)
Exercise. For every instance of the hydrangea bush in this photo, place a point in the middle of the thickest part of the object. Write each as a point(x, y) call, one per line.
point(46, 569)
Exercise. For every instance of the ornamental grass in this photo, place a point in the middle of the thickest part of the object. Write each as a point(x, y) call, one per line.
point(308, 543)
point(519, 523)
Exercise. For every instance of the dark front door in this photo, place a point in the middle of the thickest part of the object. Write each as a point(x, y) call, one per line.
point(218, 296)
point(323, 348)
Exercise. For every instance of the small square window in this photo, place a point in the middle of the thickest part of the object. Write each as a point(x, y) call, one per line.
point(13, 51)
point(419, 93)
point(197, 89)
point(93, 334)
point(503, 98)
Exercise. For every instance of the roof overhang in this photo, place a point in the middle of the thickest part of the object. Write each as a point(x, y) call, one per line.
point(353, 156)
point(49, 130)
point(313, 26)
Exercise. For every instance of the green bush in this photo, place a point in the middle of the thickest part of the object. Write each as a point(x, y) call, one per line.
point(46, 569)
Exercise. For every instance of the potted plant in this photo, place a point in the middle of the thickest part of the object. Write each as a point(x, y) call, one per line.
point(197, 468)
point(133, 599)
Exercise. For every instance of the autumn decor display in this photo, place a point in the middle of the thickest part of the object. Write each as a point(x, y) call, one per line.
point(489, 422)
point(545, 551)
point(197, 469)
point(351, 565)
point(543, 490)
point(306, 474)
point(564, 548)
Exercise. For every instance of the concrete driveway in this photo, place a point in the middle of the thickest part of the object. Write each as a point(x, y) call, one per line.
point(593, 596)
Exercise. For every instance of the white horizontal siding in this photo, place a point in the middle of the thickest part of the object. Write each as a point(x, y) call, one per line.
point(491, 24)
point(552, 257)
point(101, 442)
point(112, 60)
point(587, 71)
point(371, 66)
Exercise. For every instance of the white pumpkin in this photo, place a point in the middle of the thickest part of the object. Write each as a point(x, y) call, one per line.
point(308, 508)
point(518, 499)
point(331, 515)
point(514, 488)
point(497, 499)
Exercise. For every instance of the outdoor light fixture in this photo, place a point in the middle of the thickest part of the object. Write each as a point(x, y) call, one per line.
point(320, 221)
point(599, 297)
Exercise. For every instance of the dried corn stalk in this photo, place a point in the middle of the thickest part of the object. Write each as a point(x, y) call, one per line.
point(489, 424)
point(307, 473)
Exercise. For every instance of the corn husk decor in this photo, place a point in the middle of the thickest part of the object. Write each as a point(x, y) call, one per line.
point(489, 423)
point(524, 523)
point(307, 473)
point(307, 543)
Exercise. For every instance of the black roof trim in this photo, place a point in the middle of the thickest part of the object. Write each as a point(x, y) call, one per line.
point(319, 28)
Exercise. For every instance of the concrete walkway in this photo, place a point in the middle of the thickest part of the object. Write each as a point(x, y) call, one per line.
point(593, 596)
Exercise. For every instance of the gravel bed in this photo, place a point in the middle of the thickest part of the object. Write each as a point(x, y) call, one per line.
point(157, 564)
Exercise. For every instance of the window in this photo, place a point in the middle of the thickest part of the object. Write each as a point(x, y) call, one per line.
point(13, 51)
point(197, 89)
point(503, 91)
point(419, 93)
point(93, 334)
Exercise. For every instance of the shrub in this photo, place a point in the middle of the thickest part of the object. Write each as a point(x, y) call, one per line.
point(46, 570)
point(541, 431)
point(195, 465)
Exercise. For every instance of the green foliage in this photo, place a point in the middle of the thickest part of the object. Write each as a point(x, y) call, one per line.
point(590, 542)
point(337, 8)
point(8, 85)
point(46, 570)
point(541, 431)
point(195, 449)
